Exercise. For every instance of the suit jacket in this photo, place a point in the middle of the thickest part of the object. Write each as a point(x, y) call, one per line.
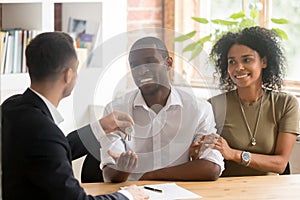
point(36, 156)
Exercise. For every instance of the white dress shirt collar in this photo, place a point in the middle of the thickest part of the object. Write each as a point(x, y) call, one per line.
point(173, 100)
point(54, 112)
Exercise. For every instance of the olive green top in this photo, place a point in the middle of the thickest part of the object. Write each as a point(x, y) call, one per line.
point(279, 113)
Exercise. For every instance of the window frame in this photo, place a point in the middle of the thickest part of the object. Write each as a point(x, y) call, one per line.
point(172, 18)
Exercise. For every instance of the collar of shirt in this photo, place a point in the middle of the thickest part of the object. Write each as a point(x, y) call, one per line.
point(54, 112)
point(173, 100)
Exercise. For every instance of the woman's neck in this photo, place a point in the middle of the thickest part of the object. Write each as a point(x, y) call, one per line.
point(250, 95)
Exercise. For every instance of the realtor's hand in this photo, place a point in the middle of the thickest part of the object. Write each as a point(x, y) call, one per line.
point(137, 193)
point(116, 121)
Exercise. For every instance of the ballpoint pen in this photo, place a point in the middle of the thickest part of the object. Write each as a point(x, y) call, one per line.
point(153, 189)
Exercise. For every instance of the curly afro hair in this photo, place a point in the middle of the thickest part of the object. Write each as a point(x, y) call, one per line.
point(265, 42)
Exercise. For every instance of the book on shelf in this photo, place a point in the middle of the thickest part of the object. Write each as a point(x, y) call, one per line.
point(77, 29)
point(8, 55)
point(85, 41)
point(3, 47)
point(18, 45)
point(25, 42)
point(13, 49)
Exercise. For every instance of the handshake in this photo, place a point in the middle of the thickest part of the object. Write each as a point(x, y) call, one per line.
point(201, 145)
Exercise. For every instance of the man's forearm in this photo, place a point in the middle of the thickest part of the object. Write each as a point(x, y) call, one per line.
point(197, 170)
point(76, 144)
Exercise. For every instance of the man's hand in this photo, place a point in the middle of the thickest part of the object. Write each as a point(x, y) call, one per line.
point(137, 193)
point(126, 161)
point(119, 172)
point(116, 121)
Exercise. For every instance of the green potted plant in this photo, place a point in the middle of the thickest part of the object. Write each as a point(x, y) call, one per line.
point(233, 23)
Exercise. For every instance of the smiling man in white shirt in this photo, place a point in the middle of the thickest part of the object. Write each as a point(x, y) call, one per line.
point(167, 120)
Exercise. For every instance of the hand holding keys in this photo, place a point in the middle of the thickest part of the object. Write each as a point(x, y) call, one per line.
point(128, 131)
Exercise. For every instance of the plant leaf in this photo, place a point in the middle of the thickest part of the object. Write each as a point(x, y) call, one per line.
point(189, 47)
point(200, 20)
point(223, 22)
point(185, 37)
point(245, 23)
point(197, 50)
point(204, 39)
point(280, 21)
point(281, 33)
point(254, 13)
point(238, 15)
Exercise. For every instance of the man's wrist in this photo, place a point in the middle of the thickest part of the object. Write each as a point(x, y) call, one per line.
point(126, 194)
point(97, 130)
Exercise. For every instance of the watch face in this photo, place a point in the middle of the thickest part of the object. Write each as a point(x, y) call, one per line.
point(246, 156)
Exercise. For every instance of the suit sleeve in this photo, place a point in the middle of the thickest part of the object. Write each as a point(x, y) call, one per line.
point(83, 142)
point(49, 166)
point(111, 142)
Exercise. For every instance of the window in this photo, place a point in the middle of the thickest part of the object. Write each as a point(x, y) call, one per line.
point(290, 9)
point(213, 9)
point(291, 12)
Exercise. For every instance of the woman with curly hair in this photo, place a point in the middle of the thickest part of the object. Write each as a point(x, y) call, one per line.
point(257, 123)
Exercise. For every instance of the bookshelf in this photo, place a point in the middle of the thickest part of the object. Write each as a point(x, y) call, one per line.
point(105, 19)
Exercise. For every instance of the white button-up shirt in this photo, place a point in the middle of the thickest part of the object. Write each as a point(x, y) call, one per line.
point(161, 139)
point(57, 118)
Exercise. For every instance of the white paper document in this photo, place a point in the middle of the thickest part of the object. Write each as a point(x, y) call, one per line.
point(170, 191)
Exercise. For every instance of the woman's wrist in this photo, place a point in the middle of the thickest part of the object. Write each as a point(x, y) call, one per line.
point(236, 156)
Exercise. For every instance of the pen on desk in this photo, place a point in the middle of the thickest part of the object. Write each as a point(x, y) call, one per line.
point(153, 189)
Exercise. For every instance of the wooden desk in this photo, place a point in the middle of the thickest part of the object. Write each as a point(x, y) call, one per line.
point(251, 187)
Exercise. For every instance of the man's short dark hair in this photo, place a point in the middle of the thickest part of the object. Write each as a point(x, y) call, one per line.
point(159, 45)
point(48, 54)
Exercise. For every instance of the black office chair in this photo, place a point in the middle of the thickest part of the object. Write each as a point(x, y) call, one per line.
point(287, 170)
point(91, 171)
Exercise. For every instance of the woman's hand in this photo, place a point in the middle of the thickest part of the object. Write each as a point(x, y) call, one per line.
point(202, 143)
point(222, 145)
point(195, 150)
point(137, 193)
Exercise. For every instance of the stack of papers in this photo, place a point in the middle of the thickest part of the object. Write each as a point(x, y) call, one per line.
point(170, 191)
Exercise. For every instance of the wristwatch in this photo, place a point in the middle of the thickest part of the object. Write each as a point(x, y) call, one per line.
point(246, 158)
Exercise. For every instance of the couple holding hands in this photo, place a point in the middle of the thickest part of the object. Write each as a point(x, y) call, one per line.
point(253, 125)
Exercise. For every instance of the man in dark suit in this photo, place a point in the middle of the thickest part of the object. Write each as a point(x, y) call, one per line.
point(36, 155)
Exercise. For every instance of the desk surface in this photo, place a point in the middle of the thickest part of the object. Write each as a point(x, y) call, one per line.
point(251, 187)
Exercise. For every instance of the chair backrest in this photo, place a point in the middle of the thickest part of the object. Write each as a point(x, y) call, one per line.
point(287, 170)
point(91, 171)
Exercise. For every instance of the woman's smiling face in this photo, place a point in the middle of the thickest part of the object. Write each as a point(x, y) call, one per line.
point(245, 66)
